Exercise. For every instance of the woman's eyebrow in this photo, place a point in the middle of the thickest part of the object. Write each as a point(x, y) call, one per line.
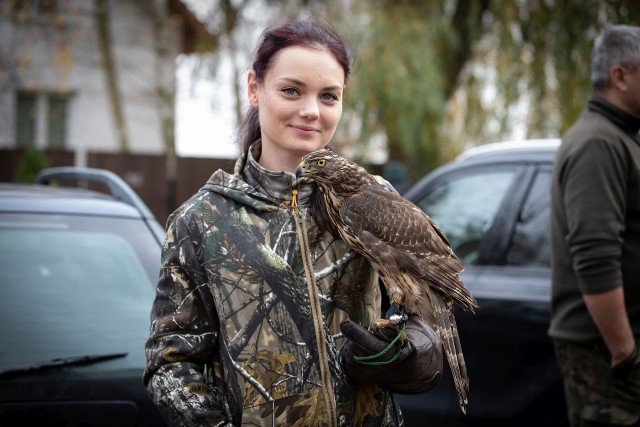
point(294, 81)
point(303, 84)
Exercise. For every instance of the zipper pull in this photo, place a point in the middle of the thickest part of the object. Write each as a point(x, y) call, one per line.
point(294, 199)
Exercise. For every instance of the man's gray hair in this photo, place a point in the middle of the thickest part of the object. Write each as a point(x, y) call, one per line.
point(616, 45)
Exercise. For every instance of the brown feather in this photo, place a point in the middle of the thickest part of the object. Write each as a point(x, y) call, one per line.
point(411, 254)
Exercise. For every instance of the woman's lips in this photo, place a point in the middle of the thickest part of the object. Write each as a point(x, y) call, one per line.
point(304, 129)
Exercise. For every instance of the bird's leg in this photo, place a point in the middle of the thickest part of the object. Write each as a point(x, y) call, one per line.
point(395, 313)
point(395, 317)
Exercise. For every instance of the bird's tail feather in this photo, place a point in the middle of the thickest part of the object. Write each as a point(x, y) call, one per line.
point(445, 325)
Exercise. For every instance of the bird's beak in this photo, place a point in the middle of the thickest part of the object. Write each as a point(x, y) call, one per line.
point(300, 170)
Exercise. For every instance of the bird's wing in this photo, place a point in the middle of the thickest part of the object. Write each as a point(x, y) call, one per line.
point(394, 232)
point(398, 236)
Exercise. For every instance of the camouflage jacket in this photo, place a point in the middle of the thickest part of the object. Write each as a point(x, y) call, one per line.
point(245, 324)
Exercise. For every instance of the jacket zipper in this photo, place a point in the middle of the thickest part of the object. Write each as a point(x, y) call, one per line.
point(326, 391)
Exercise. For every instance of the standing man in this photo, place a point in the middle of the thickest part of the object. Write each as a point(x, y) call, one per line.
point(595, 235)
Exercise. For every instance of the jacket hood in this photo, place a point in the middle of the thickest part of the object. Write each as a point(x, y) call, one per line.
point(257, 187)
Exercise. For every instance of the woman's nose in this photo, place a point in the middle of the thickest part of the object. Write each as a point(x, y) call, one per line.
point(310, 109)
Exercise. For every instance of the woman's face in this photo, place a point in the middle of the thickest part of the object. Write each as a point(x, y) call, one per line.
point(299, 105)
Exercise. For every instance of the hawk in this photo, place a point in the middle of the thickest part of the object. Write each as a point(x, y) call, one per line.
point(413, 257)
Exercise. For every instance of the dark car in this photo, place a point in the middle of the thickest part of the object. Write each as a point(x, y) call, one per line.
point(77, 282)
point(492, 202)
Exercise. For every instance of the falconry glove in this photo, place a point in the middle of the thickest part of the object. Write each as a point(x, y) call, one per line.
point(405, 364)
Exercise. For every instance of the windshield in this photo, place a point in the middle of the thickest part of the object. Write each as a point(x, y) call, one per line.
point(73, 286)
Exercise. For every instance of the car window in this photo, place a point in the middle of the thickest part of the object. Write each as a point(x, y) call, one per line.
point(464, 206)
point(75, 286)
point(530, 243)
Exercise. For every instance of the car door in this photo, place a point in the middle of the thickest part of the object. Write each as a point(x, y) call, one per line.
point(495, 215)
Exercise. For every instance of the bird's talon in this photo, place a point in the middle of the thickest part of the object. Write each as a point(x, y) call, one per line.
point(388, 323)
point(384, 323)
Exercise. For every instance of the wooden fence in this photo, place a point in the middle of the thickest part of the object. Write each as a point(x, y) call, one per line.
point(145, 173)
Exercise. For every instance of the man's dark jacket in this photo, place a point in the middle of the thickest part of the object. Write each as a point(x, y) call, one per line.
point(595, 218)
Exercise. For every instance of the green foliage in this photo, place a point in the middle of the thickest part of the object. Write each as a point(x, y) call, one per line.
point(407, 51)
point(377, 90)
point(438, 76)
point(544, 51)
point(30, 165)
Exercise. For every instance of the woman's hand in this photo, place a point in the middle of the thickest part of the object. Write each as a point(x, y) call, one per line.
point(411, 365)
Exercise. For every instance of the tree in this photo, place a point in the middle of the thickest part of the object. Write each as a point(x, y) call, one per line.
point(30, 165)
point(435, 77)
point(103, 23)
point(438, 76)
point(548, 54)
point(410, 55)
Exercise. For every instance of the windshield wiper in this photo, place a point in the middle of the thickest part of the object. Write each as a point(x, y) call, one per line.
point(59, 363)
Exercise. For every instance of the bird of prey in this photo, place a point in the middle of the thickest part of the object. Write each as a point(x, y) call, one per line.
point(413, 257)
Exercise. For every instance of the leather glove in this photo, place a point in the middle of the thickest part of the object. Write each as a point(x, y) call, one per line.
point(412, 365)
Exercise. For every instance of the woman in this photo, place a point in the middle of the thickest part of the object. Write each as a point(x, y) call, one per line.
point(246, 322)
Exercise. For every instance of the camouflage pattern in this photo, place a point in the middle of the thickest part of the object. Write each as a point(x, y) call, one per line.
point(594, 395)
point(232, 336)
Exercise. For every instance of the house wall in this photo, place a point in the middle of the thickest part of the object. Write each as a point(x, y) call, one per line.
point(61, 54)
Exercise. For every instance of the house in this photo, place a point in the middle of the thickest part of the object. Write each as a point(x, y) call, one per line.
point(93, 75)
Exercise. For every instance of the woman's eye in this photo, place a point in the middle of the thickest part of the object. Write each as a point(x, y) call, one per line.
point(321, 163)
point(290, 91)
point(329, 97)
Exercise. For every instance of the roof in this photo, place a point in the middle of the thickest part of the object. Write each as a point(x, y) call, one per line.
point(195, 35)
point(514, 151)
point(35, 198)
point(513, 147)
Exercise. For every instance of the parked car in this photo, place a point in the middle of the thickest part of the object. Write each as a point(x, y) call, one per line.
point(492, 202)
point(77, 282)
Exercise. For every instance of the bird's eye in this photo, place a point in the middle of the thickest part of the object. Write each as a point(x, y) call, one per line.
point(321, 163)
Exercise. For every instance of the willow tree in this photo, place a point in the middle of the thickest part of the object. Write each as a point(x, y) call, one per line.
point(540, 54)
point(409, 55)
point(435, 77)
